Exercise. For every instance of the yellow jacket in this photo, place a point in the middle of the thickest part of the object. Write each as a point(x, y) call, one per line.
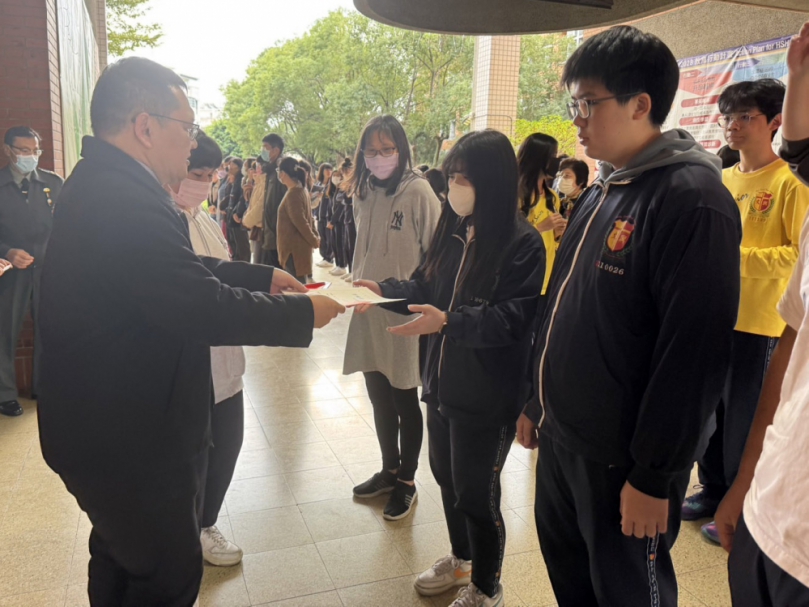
point(539, 213)
point(773, 204)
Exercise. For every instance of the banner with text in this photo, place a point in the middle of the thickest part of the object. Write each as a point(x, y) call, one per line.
point(704, 77)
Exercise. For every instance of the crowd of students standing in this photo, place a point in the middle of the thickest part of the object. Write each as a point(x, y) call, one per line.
point(610, 324)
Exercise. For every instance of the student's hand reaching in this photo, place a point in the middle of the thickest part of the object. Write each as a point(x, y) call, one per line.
point(431, 320)
point(798, 54)
point(643, 515)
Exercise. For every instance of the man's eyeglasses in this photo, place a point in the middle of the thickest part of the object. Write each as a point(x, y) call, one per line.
point(742, 119)
point(26, 151)
point(583, 107)
point(190, 127)
point(384, 152)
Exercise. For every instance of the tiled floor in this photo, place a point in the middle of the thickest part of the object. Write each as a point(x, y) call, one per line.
point(307, 543)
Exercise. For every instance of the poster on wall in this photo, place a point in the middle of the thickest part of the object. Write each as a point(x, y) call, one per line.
point(704, 77)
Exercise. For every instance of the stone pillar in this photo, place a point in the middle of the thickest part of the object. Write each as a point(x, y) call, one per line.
point(496, 83)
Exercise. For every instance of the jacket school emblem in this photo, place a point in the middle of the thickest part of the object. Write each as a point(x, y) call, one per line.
point(762, 202)
point(622, 230)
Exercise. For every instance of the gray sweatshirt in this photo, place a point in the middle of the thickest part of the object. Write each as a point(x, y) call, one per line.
point(393, 233)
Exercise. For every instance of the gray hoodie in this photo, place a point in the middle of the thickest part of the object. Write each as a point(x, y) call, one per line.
point(393, 233)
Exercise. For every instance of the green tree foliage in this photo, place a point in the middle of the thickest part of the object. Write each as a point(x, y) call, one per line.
point(318, 90)
point(126, 30)
point(557, 127)
point(218, 131)
point(542, 60)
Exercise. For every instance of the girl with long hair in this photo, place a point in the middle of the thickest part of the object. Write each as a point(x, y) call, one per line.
point(477, 293)
point(538, 202)
point(345, 203)
point(323, 191)
point(297, 234)
point(396, 213)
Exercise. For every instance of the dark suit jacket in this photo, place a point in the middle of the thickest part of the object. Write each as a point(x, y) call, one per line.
point(128, 316)
point(27, 224)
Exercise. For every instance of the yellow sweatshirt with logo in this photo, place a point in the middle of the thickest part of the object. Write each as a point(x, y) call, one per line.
point(539, 213)
point(773, 204)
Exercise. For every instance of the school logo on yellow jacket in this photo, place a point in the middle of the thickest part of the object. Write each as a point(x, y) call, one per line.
point(762, 203)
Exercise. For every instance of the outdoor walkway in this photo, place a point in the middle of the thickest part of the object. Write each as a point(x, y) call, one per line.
point(308, 439)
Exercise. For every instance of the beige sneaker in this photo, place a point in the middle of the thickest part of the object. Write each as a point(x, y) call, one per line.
point(217, 550)
point(447, 572)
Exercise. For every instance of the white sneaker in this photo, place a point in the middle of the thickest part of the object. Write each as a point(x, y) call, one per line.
point(348, 277)
point(217, 550)
point(337, 271)
point(446, 572)
point(324, 264)
point(472, 596)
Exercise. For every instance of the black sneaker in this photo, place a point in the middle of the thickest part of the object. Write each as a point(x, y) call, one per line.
point(379, 483)
point(401, 502)
point(11, 408)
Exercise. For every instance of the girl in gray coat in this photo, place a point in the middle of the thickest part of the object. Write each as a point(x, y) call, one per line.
point(396, 213)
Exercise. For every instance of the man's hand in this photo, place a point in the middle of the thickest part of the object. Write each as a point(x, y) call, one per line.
point(729, 512)
point(642, 515)
point(527, 432)
point(329, 226)
point(19, 258)
point(798, 54)
point(282, 282)
point(4, 265)
point(431, 321)
point(326, 310)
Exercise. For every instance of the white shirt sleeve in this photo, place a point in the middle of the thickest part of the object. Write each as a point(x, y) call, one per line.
point(791, 307)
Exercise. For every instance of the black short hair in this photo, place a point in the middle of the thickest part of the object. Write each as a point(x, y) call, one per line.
point(728, 156)
point(131, 86)
point(580, 169)
point(766, 95)
point(207, 154)
point(294, 169)
point(237, 161)
point(275, 141)
point(438, 182)
point(26, 132)
point(423, 168)
point(628, 61)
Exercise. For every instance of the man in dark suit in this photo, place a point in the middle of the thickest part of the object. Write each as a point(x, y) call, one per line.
point(129, 313)
point(27, 195)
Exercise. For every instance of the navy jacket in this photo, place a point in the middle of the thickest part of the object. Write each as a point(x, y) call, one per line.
point(128, 316)
point(476, 369)
point(633, 347)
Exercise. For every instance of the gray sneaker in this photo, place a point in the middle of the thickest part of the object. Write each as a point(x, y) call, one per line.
point(472, 596)
point(446, 572)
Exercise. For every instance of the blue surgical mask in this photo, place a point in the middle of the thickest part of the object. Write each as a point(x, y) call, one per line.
point(26, 164)
point(265, 155)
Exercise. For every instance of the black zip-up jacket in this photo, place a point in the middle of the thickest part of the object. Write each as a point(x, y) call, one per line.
point(338, 216)
point(634, 344)
point(796, 153)
point(476, 368)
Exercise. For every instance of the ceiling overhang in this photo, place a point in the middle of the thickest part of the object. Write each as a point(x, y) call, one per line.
point(483, 17)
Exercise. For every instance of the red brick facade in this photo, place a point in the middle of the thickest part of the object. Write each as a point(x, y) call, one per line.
point(29, 74)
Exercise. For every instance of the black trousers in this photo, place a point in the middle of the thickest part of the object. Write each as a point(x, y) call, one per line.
point(728, 430)
point(19, 289)
point(338, 234)
point(349, 243)
point(289, 267)
point(590, 561)
point(466, 460)
point(227, 429)
point(397, 416)
point(239, 243)
point(756, 581)
point(144, 546)
point(270, 258)
point(326, 241)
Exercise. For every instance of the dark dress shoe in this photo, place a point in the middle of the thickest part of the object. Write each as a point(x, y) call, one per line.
point(11, 408)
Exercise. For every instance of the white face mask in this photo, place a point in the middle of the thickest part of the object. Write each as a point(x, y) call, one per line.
point(336, 180)
point(461, 199)
point(567, 186)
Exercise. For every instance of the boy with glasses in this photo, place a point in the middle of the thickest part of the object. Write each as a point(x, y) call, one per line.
point(772, 203)
point(769, 562)
point(634, 344)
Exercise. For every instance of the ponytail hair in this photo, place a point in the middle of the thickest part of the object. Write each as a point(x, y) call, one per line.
point(293, 168)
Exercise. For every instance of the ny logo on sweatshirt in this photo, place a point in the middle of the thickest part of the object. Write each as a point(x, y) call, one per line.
point(396, 222)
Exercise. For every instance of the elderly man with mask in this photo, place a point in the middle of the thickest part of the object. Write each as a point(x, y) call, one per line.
point(129, 313)
point(27, 195)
